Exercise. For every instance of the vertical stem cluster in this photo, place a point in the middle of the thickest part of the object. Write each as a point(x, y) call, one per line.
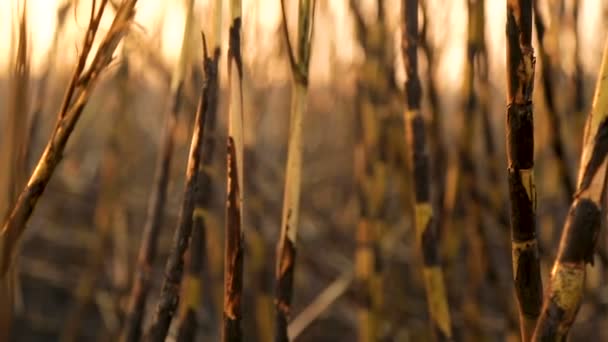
point(15, 130)
point(286, 248)
point(233, 250)
point(15, 143)
point(475, 234)
point(579, 236)
point(426, 236)
point(547, 72)
point(520, 155)
point(156, 205)
point(374, 83)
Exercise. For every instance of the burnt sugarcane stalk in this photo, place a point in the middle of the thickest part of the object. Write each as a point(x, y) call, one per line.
point(426, 236)
point(286, 248)
point(520, 155)
point(203, 186)
point(233, 264)
point(233, 235)
point(582, 227)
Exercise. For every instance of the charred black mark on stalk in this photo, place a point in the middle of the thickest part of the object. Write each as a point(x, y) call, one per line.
point(233, 276)
point(429, 245)
point(284, 283)
point(410, 50)
point(528, 287)
point(522, 212)
point(187, 329)
point(420, 159)
point(548, 326)
point(285, 288)
point(520, 136)
point(581, 231)
point(234, 47)
point(177, 99)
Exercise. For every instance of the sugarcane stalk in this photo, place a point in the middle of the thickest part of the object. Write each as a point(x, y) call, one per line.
point(233, 264)
point(426, 237)
point(286, 246)
point(203, 230)
point(436, 142)
point(233, 235)
point(581, 229)
point(520, 155)
point(193, 282)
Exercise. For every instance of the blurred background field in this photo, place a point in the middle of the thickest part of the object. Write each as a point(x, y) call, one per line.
point(96, 202)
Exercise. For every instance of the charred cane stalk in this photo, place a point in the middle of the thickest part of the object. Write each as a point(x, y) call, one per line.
point(233, 250)
point(426, 236)
point(202, 201)
point(520, 154)
point(286, 247)
point(579, 236)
